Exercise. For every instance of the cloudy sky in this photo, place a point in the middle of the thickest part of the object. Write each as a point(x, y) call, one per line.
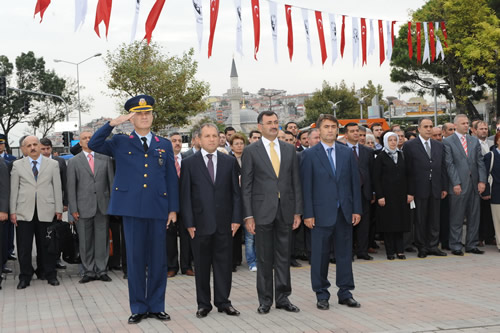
point(55, 38)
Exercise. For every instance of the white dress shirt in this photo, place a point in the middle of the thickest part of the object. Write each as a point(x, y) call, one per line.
point(424, 141)
point(267, 145)
point(148, 137)
point(179, 159)
point(204, 153)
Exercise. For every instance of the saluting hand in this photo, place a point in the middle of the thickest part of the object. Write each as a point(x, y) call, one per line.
point(121, 119)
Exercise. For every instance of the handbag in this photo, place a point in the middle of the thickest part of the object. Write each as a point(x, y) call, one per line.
point(71, 245)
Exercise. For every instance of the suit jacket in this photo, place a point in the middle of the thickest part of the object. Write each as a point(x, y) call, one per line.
point(464, 170)
point(89, 192)
point(260, 186)
point(62, 171)
point(187, 153)
point(46, 189)
point(4, 186)
point(8, 158)
point(365, 165)
point(419, 168)
point(145, 183)
point(494, 190)
point(205, 205)
point(323, 192)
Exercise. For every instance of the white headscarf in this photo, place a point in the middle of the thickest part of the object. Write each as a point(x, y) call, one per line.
point(393, 153)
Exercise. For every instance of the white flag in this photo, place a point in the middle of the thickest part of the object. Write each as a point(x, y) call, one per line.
point(439, 47)
point(274, 26)
point(371, 45)
point(355, 40)
point(80, 12)
point(136, 18)
point(388, 41)
point(426, 45)
point(333, 37)
point(305, 13)
point(239, 28)
point(199, 21)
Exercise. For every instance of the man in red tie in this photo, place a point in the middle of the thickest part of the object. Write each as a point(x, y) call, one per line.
point(90, 180)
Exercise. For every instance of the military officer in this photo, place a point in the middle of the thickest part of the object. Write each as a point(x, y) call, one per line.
point(145, 194)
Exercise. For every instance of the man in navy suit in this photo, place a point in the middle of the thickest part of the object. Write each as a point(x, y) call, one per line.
point(211, 212)
point(146, 194)
point(332, 206)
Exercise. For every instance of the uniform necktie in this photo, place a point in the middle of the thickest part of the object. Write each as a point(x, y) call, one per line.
point(355, 152)
point(330, 150)
point(428, 149)
point(35, 170)
point(210, 166)
point(177, 166)
point(275, 161)
point(464, 144)
point(91, 162)
point(145, 143)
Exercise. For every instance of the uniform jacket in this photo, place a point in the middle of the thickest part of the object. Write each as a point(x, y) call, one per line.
point(4, 186)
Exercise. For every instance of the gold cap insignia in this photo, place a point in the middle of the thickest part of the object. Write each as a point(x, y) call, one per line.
point(142, 102)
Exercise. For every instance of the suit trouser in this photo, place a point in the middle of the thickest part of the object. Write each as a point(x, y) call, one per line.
point(362, 230)
point(273, 247)
point(427, 223)
point(2, 251)
point(394, 243)
point(213, 251)
point(173, 253)
point(322, 237)
point(298, 241)
point(145, 241)
point(444, 226)
point(115, 226)
point(93, 236)
point(495, 212)
point(486, 229)
point(25, 232)
point(237, 242)
point(464, 205)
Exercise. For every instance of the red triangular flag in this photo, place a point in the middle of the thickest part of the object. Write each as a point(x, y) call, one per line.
point(381, 49)
point(363, 40)
point(153, 16)
point(445, 34)
point(392, 33)
point(256, 26)
point(342, 37)
point(40, 7)
point(419, 43)
point(410, 44)
point(288, 11)
point(321, 34)
point(214, 11)
point(431, 41)
point(103, 13)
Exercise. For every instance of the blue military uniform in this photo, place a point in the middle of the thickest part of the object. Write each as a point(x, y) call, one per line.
point(145, 191)
point(7, 157)
point(8, 228)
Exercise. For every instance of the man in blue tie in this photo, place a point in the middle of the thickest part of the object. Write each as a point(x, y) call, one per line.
point(332, 206)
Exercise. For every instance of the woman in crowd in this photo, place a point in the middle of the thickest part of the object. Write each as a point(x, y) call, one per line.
point(370, 141)
point(492, 164)
point(389, 180)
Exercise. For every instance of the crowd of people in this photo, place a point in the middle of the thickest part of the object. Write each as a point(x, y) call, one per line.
point(324, 195)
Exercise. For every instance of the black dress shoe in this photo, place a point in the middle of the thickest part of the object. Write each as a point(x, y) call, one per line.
point(410, 249)
point(86, 279)
point(288, 307)
point(6, 270)
point(234, 269)
point(160, 315)
point(457, 253)
point(323, 304)
point(401, 257)
point(422, 254)
point(263, 309)
point(11, 257)
point(23, 284)
point(230, 311)
point(350, 302)
point(303, 257)
point(294, 263)
point(202, 313)
point(136, 318)
point(60, 266)
point(391, 257)
point(438, 253)
point(365, 257)
point(333, 260)
point(53, 282)
point(475, 251)
point(105, 278)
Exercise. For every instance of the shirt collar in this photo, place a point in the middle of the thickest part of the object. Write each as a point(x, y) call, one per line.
point(266, 142)
point(148, 136)
point(350, 145)
point(205, 153)
point(38, 160)
point(325, 146)
point(87, 154)
point(423, 140)
point(459, 135)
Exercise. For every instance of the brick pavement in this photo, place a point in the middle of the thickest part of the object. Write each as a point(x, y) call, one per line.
point(436, 294)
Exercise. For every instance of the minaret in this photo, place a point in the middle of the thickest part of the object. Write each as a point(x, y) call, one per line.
point(235, 95)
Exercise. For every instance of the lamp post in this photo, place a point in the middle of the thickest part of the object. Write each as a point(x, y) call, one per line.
point(361, 102)
point(390, 102)
point(334, 107)
point(78, 84)
point(271, 94)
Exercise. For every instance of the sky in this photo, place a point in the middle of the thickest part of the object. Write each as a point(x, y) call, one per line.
point(55, 38)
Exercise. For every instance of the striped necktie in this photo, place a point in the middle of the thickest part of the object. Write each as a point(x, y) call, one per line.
point(464, 144)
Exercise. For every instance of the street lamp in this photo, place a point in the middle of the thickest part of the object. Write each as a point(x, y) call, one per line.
point(78, 84)
point(361, 102)
point(434, 86)
point(334, 107)
point(390, 102)
point(271, 94)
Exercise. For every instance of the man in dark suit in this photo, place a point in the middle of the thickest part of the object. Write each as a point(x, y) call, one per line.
point(211, 212)
point(195, 145)
point(146, 195)
point(427, 185)
point(467, 180)
point(272, 205)
point(4, 205)
point(364, 157)
point(332, 206)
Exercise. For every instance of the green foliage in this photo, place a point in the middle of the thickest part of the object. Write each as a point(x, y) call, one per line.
point(141, 69)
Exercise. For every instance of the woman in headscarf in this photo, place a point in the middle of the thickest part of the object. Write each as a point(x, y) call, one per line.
point(389, 180)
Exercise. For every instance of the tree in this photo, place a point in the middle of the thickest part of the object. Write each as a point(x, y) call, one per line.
point(30, 74)
point(318, 103)
point(471, 58)
point(141, 69)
